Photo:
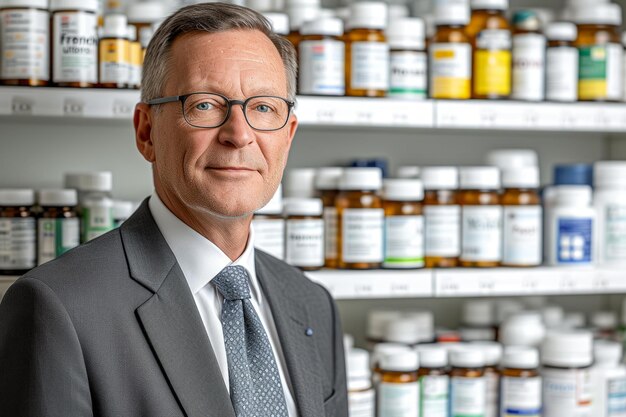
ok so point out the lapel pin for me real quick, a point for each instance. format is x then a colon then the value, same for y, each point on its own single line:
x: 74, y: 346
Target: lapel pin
x: 308, y: 331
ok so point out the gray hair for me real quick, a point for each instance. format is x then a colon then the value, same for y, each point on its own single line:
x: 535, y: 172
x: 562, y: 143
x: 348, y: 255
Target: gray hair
x: 209, y: 18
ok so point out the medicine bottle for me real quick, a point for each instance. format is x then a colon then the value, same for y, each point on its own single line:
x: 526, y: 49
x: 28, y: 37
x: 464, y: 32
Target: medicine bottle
x: 143, y: 15
x: 561, y: 62
x: 404, y: 223
x: 479, y: 321
x: 74, y: 43
x: 450, y: 53
x: 407, y: 58
x: 24, y: 42
x: 600, y: 52
x: 492, y: 352
x: 520, y: 382
x: 608, y: 379
x: 135, y: 58
x: 425, y: 322
x: 481, y: 212
x: 398, y: 391
x: 567, y: 357
x: 442, y: 217
x: 322, y: 58
x: 490, y: 34
x: 304, y: 233
x: 58, y: 224
x: 610, y: 203
x: 403, y: 331
x: 377, y: 322
x: 300, y: 183
x: 529, y: 57
x: 279, y: 22
x: 367, y: 51
x: 300, y: 12
x: 327, y: 184
x: 361, y: 219
x: 122, y: 210
x: 269, y: 226
x: 523, y: 217
x: 18, y: 251
x: 96, y: 204
x: 361, y: 395
x: 468, y: 387
x: 380, y: 350
x: 114, y: 53
x: 434, y: 381
x: 522, y: 329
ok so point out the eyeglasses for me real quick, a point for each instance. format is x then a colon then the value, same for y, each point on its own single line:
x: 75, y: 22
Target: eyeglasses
x: 208, y: 110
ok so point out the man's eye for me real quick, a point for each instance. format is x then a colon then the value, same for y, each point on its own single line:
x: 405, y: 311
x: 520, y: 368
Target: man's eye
x: 204, y: 106
x: 263, y: 108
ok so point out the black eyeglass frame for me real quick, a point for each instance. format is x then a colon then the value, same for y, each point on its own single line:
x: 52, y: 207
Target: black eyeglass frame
x: 229, y: 103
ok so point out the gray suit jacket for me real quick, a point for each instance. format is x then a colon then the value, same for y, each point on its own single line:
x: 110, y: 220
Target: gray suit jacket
x: 111, y: 329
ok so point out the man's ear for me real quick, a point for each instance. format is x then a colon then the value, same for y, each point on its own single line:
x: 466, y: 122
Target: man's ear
x: 142, y: 121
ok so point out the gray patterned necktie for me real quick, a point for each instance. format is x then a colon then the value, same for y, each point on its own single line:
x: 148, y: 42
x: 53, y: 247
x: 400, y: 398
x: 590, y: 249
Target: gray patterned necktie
x: 255, y: 387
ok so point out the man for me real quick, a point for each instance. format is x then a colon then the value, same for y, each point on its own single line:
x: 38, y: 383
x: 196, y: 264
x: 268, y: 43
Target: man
x: 175, y: 314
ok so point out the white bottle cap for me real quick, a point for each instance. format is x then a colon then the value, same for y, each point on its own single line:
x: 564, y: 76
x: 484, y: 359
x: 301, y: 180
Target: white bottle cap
x: 275, y: 205
x: 466, y: 356
x: 328, y: 26
x: 358, y: 369
x: 299, y: 15
x: 84, y: 5
x: 607, y: 352
x: 279, y: 22
x: 260, y: 5
x: 397, y: 11
x: 522, y: 329
x: 599, y: 14
x: 403, y: 189
x: 146, y: 12
x: 492, y: 351
x: 478, y: 313
x: 58, y: 198
x: 574, y: 320
x: 432, y: 356
x: 300, y: 183
x: 368, y: 15
x: 561, y: 31
x: 489, y: 4
x: 512, y: 158
x: 406, y: 361
x: 34, y: 4
x: 479, y: 178
x: 521, y: 357
x: 572, y: 195
x: 406, y: 33
x: 131, y: 31
x: 405, y: 331
x: 96, y: 181
x: 303, y: 207
x: 604, y: 320
x: 381, y: 349
x: 327, y: 178
x: 367, y: 179
x: 609, y: 174
x: 452, y: 14
x: 569, y: 348
x: 122, y: 210
x: 440, y: 178
x: 115, y: 26
x: 552, y: 316
x: 425, y: 321
x: 377, y: 321
x: 525, y: 177
x: 408, y: 171
x: 16, y: 197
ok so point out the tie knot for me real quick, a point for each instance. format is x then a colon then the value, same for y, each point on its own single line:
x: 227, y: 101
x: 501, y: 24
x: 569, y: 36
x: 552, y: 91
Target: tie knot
x: 232, y: 283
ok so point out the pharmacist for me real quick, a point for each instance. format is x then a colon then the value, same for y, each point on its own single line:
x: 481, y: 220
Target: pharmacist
x: 176, y: 313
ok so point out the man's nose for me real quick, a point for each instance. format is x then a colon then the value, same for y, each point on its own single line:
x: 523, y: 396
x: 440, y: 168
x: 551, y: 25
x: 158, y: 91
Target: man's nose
x: 236, y: 131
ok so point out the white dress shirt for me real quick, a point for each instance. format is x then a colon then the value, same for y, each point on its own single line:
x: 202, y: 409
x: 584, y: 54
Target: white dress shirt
x: 200, y: 261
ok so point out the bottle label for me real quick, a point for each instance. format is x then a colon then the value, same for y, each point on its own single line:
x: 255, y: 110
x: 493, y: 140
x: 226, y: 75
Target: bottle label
x: 361, y: 403
x: 492, y: 62
x: 615, y: 233
x: 616, y: 397
x: 467, y: 397
x: 522, y: 235
x: 451, y: 70
x: 305, y: 242
x: 443, y: 231
x: 562, y: 74
x: 330, y: 232
x: 25, y: 44
x: 521, y: 397
x: 57, y: 236
x: 492, y: 382
x: 574, y: 240
x: 404, y: 241
x: 407, y: 74
x: 566, y: 393
x: 434, y: 395
x: 362, y: 235
x: 482, y: 233
x: 75, y: 47
x: 134, y: 75
x: 98, y: 220
x: 114, y: 67
x: 17, y: 244
x: 269, y: 236
x: 370, y: 66
x: 322, y: 67
x: 398, y: 400
x: 529, y: 66
x: 600, y: 70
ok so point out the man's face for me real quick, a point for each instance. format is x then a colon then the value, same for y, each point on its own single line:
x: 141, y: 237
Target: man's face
x: 231, y: 170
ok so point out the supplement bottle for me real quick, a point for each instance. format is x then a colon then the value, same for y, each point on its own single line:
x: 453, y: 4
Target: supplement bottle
x: 561, y: 62
x: 304, y: 237
x: 567, y: 357
x: 114, y: 53
x: 492, y: 352
x: 468, y: 386
x: 327, y: 184
x: 425, y: 322
x: 529, y: 61
x: 404, y: 224
x: 481, y: 212
x: 367, y: 51
x: 398, y: 391
x: 361, y: 395
x: 279, y: 22
x: 522, y: 329
x: 58, y: 224
x: 442, y: 217
x: 300, y: 183
x: 122, y: 210
x: 523, y: 218
x: 610, y: 203
x: 74, y: 43
x: 300, y: 12
x: 18, y: 231
x: 479, y: 321
x: 434, y: 381
x: 608, y: 380
x: 143, y: 15
x: 404, y: 331
x: 269, y: 226
x: 408, y: 66
x: 96, y: 205
x: 377, y: 321
x: 322, y: 58
x: 361, y: 219
x: 24, y: 42
x: 490, y: 34
x: 379, y: 350
x: 600, y: 52
x: 450, y: 53
x: 520, y: 393
x: 135, y: 58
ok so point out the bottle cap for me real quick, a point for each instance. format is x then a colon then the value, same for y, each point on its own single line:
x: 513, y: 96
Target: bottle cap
x: 521, y: 357
x: 300, y: 183
x: 368, y: 15
x: 327, y: 178
x: 275, y: 205
x: 522, y: 329
x: 404, y: 331
x: 381, y: 349
x: 299, y: 15
x: 573, y: 174
x: 122, y: 210
x: 358, y: 369
x: 34, y: 4
x: 58, y: 198
x: 478, y: 313
x: 570, y: 348
x: 524, y: 177
x: 329, y: 26
x: 526, y: 20
x: 512, y: 158
x: 489, y: 4
x: 479, y: 178
x: 377, y: 321
x: 84, y: 5
x: 96, y: 181
x: 452, y: 14
x: 279, y: 22
x: 607, y: 352
x: 131, y: 31
x: 260, y: 5
x: 432, y: 356
x: 599, y: 14
x: 604, y: 320
x: 397, y: 11
x: 303, y: 207
x: 146, y: 12
x: 552, y: 316
x: 492, y: 351
x: 561, y: 31
x: 406, y: 33
x: 16, y: 197
x: 440, y: 178
x: 573, y: 195
x: 408, y: 171
x: 609, y: 174
x: 406, y: 361
x: 466, y: 356
x: 403, y: 189
x: 115, y: 26
x: 425, y: 321
x: 369, y: 179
